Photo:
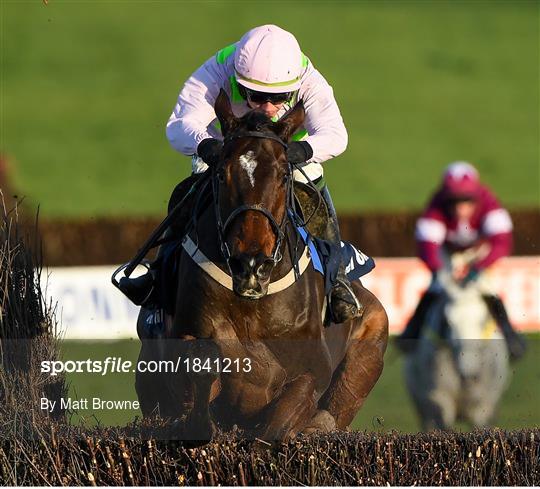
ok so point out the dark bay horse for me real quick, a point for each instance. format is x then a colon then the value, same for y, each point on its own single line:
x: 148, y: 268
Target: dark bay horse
x: 288, y: 372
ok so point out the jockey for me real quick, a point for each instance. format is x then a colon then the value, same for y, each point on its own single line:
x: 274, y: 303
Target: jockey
x: 463, y: 215
x: 267, y: 72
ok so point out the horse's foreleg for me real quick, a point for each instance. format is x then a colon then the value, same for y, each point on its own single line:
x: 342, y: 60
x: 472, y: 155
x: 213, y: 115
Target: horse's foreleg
x: 198, y: 425
x: 362, y: 365
x: 150, y: 385
x: 148, y: 390
x: 202, y: 375
x: 160, y: 391
x: 292, y: 409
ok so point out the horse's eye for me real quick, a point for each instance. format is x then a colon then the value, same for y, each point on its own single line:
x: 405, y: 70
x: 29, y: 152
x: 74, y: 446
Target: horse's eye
x: 286, y: 178
x: 220, y: 175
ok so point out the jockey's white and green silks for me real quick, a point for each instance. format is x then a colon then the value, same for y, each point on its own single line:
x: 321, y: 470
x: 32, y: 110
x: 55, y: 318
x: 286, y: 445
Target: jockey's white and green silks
x: 193, y: 118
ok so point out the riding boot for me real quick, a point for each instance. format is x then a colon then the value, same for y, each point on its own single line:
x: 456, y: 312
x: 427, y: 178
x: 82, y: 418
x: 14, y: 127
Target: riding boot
x: 514, y: 341
x: 141, y: 290
x: 344, y: 304
x: 406, y: 340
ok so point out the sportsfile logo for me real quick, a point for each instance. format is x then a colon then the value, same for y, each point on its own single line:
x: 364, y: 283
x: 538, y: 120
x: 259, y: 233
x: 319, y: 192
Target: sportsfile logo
x: 103, y: 367
x: 115, y: 365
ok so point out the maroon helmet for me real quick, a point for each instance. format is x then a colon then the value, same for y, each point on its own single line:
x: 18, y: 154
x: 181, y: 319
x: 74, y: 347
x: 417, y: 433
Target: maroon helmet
x: 460, y: 182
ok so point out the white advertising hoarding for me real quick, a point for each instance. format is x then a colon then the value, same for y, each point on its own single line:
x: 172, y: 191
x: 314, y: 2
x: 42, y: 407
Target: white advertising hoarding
x: 89, y: 306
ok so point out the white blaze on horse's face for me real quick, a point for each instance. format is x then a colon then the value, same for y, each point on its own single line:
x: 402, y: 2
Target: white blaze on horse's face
x: 249, y: 163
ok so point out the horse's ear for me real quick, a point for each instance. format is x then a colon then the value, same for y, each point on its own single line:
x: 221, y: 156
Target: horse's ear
x: 224, y: 112
x: 290, y: 122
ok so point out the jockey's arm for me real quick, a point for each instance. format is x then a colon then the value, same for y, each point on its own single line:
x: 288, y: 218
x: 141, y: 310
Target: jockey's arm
x: 430, y: 234
x: 429, y: 253
x: 327, y: 134
x: 500, y: 246
x: 194, y: 110
x: 497, y: 228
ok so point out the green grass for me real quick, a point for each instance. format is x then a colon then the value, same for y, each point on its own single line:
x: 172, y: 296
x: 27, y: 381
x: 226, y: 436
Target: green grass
x: 88, y: 86
x: 387, y: 408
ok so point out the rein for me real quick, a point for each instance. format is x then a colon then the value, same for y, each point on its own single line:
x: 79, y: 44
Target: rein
x: 223, y: 226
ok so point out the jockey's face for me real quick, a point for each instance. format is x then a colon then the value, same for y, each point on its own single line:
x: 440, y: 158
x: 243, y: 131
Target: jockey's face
x: 267, y: 108
x: 464, y: 209
x: 267, y: 103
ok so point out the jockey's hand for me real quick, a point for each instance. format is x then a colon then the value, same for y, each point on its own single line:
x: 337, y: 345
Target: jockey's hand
x: 459, y: 272
x: 299, y: 152
x: 209, y: 150
x: 471, y: 276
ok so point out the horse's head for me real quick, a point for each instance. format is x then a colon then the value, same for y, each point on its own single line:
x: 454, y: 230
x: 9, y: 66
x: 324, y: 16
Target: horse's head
x: 251, y: 185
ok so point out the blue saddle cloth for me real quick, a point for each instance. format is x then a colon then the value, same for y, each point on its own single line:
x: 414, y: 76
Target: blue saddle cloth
x: 327, y: 256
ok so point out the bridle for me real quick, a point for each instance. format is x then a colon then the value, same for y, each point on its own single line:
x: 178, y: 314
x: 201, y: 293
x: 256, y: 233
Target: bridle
x: 222, y: 227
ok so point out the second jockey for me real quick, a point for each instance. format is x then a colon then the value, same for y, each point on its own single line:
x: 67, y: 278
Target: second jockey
x: 462, y: 215
x: 265, y: 71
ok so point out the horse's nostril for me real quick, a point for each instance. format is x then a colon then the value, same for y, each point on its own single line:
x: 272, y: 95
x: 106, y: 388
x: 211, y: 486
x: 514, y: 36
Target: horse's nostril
x: 264, y: 270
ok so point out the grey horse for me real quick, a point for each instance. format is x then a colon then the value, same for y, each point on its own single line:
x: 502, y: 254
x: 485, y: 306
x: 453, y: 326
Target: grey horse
x: 460, y: 367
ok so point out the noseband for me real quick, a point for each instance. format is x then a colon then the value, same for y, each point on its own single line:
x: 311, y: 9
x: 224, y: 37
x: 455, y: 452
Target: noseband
x: 223, y: 226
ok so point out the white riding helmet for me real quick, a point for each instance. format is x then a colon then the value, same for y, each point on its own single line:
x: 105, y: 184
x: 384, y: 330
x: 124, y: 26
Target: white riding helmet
x: 268, y: 59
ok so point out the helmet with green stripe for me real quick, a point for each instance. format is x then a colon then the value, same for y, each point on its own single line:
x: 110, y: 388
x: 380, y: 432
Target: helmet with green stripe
x: 268, y: 59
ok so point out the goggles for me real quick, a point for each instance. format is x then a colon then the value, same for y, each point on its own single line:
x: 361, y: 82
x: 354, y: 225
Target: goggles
x: 263, y: 97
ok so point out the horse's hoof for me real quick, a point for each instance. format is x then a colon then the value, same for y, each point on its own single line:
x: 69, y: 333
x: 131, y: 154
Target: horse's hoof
x: 197, y: 433
x: 171, y: 430
x: 323, y: 421
x: 195, y: 443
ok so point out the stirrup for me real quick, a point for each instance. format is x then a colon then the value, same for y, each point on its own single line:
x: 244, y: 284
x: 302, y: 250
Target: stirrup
x: 126, y: 285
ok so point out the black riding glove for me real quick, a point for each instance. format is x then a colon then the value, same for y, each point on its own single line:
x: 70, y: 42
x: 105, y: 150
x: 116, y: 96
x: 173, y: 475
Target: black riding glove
x: 209, y: 150
x: 299, y: 152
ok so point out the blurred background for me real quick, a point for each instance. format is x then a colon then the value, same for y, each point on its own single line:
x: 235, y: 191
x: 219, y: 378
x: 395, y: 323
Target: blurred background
x: 87, y: 88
